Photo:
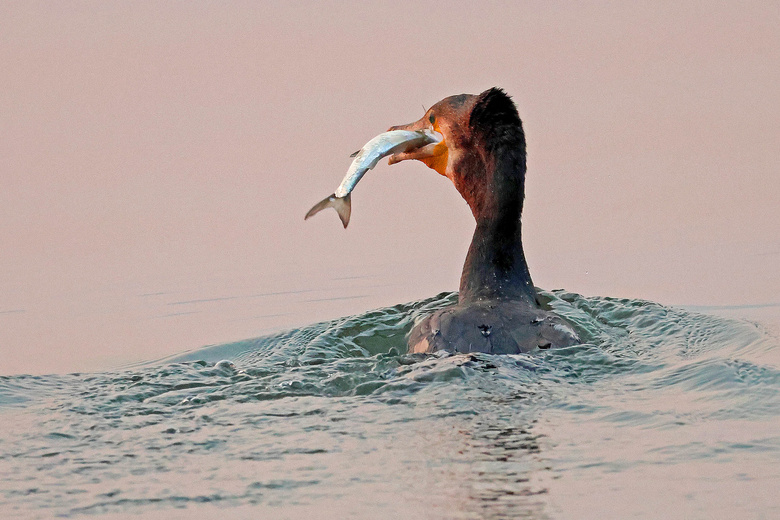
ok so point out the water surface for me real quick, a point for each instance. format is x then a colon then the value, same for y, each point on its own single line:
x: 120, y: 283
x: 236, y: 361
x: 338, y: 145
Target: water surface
x: 661, y: 413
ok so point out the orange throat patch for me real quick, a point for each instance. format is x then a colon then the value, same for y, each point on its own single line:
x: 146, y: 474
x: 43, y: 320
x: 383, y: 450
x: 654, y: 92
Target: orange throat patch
x: 438, y: 161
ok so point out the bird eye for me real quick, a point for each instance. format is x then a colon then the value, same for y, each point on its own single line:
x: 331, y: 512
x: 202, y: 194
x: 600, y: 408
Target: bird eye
x: 432, y: 118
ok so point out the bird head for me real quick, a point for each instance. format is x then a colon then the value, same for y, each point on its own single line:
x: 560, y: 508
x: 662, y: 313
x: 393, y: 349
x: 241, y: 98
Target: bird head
x: 450, y: 118
x: 481, y: 134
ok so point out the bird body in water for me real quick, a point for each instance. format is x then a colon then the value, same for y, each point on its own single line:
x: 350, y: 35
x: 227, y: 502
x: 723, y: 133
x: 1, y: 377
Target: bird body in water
x: 483, y: 152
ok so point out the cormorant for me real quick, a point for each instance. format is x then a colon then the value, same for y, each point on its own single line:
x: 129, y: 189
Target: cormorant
x: 483, y: 153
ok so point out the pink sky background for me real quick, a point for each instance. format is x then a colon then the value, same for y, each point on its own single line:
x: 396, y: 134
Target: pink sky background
x: 158, y: 158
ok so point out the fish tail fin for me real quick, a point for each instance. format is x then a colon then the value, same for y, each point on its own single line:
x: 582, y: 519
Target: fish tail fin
x: 342, y: 205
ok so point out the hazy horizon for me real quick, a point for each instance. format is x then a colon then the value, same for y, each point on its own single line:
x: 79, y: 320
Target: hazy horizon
x: 159, y: 159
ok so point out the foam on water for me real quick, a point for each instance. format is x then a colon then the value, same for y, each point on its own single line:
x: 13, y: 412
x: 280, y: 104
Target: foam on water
x: 658, y: 407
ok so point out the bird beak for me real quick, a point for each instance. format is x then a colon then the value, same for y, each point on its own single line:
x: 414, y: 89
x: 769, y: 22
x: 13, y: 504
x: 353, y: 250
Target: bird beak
x: 434, y: 155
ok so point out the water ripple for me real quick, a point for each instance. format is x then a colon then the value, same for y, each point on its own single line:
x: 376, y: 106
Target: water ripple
x: 337, y: 413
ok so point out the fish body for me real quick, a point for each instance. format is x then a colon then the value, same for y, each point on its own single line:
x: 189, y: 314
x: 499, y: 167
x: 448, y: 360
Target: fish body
x: 387, y: 143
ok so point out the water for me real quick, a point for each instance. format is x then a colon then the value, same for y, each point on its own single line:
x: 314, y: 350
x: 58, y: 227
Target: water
x: 661, y: 413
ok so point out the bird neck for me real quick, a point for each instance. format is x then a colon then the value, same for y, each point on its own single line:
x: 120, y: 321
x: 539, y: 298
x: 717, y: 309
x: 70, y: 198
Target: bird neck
x: 495, y: 266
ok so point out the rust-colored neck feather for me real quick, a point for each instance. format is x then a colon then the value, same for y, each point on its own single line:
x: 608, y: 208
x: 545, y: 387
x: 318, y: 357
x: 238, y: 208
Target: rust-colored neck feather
x: 492, y: 180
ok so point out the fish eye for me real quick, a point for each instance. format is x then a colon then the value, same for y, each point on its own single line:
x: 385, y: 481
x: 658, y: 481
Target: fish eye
x: 432, y: 118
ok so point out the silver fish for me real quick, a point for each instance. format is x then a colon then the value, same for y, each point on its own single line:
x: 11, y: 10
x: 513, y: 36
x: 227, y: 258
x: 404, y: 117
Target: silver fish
x: 387, y: 143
